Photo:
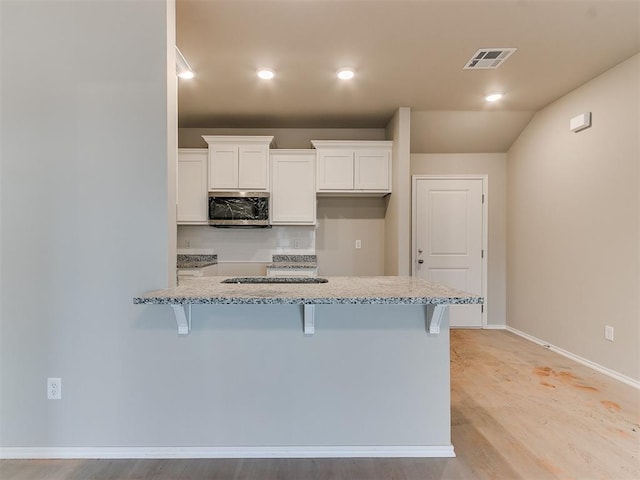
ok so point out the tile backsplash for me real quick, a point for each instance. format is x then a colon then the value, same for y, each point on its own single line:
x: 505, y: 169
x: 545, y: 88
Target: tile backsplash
x: 249, y: 245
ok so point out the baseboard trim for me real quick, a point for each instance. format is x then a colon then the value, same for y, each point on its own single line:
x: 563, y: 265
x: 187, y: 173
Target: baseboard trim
x: 588, y: 363
x: 494, y: 327
x: 227, y: 452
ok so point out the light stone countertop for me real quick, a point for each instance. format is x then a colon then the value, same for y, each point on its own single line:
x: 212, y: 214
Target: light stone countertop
x: 294, y: 262
x: 195, y: 260
x: 338, y: 290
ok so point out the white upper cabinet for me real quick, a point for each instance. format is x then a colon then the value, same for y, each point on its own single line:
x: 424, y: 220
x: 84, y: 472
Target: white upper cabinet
x: 353, y: 167
x: 293, y: 187
x: 192, y: 186
x: 223, y: 167
x: 253, y: 167
x: 372, y: 170
x: 238, y: 162
x: 335, y: 169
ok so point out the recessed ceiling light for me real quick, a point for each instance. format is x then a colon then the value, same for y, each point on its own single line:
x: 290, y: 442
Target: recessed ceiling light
x: 266, y: 73
x: 346, y: 73
x: 494, y: 97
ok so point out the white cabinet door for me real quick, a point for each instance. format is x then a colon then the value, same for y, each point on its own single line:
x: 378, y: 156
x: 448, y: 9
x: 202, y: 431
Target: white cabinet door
x: 192, y: 186
x: 293, y: 194
x: 238, y: 162
x: 348, y: 167
x: 253, y: 167
x: 223, y: 167
x: 372, y: 170
x: 335, y: 170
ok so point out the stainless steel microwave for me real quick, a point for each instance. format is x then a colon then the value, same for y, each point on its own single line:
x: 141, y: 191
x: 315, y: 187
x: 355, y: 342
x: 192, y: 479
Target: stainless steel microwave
x: 239, y: 209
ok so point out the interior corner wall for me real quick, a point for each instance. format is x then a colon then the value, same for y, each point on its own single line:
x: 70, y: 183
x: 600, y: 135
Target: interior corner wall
x: 573, y: 223
x: 494, y: 165
x: 83, y: 151
x: 397, y: 240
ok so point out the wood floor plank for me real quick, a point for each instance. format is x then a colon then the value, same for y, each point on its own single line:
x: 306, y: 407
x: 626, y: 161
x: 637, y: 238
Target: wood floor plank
x: 518, y: 411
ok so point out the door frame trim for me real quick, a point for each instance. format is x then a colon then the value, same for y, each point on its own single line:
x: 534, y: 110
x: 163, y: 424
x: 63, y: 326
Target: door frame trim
x: 485, y: 227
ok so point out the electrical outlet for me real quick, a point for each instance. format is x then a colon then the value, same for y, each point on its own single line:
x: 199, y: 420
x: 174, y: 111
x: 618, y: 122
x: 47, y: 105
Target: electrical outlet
x: 54, y: 388
x: 358, y: 244
x: 187, y: 243
x: 608, y: 332
x: 296, y: 243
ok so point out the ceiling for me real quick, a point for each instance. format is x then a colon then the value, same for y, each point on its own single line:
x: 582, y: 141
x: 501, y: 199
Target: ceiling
x: 405, y: 53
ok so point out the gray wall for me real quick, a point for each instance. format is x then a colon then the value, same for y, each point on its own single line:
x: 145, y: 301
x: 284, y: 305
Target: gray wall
x: 84, y: 221
x: 573, y: 225
x: 342, y: 221
x: 398, y: 218
x: 85, y: 208
x: 494, y: 165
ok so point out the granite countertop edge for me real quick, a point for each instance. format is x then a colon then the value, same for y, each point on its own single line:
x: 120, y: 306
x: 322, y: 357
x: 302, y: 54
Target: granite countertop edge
x: 338, y: 290
x: 186, y: 261
x: 293, y: 265
x: 187, y: 265
x: 307, y: 301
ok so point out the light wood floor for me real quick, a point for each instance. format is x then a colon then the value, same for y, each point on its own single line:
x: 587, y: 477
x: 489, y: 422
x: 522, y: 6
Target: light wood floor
x: 519, y: 411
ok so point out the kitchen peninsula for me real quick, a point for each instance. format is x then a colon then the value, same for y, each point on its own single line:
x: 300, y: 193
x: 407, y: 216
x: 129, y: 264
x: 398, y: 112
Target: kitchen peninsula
x: 356, y: 366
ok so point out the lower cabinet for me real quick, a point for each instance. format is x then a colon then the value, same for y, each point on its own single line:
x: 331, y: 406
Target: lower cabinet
x: 192, y: 186
x: 293, y: 188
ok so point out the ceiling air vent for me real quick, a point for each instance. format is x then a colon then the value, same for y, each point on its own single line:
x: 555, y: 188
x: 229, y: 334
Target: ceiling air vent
x: 488, y: 58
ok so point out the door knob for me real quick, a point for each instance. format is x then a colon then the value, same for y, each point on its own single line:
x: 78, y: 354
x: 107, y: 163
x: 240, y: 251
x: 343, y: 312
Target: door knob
x: 419, y: 250
x: 420, y: 261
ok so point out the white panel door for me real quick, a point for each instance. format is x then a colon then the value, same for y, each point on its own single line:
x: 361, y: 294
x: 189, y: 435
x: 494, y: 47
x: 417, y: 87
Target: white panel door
x: 223, y: 167
x: 253, y: 167
x: 335, y: 170
x: 448, y: 243
x: 372, y: 170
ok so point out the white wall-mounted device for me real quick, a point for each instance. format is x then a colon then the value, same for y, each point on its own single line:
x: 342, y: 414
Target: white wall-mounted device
x: 580, y: 122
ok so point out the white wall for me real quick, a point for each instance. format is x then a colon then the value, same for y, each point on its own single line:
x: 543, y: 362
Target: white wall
x: 494, y: 165
x: 84, y: 212
x: 574, y: 223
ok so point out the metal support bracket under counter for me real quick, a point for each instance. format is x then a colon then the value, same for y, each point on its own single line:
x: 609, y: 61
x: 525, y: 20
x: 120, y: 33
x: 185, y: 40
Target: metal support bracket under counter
x: 435, y: 316
x: 183, y: 318
x: 309, y: 319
